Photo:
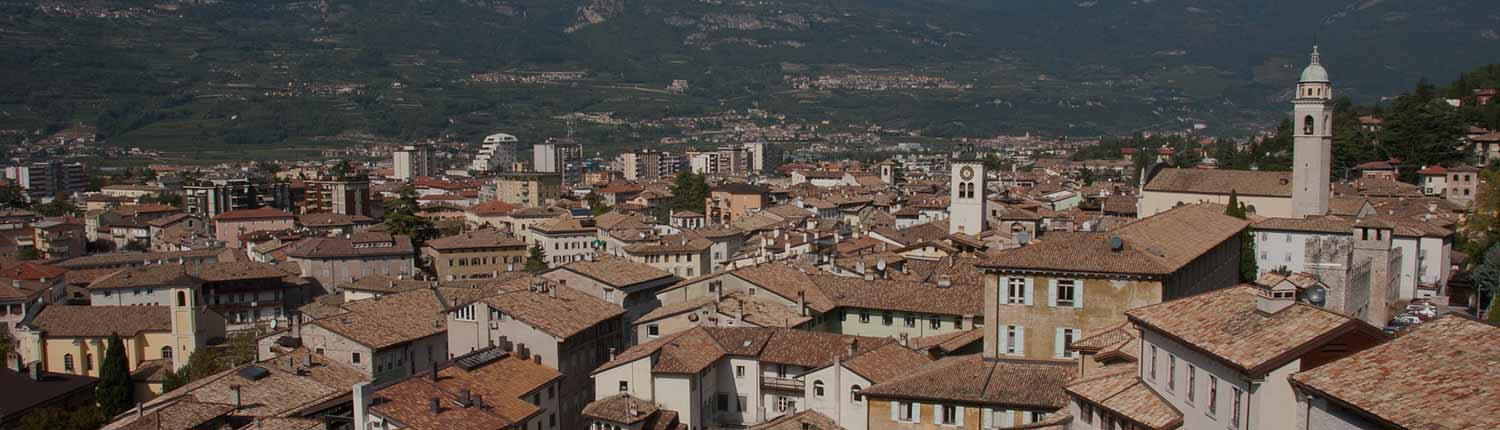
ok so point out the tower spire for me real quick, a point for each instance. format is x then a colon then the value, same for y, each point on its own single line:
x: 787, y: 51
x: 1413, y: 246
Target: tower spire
x: 1315, y: 53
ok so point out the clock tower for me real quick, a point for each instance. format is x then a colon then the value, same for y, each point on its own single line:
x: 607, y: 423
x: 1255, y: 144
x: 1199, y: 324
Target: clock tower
x: 966, y: 198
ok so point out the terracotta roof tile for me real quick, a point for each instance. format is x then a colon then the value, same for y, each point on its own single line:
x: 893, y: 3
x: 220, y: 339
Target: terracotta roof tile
x: 563, y: 315
x: 1438, y: 376
x: 1243, y: 182
x: 475, y: 239
x: 1226, y: 324
x: 257, y: 213
x: 1122, y: 393
x: 617, y: 409
x: 1153, y: 246
x: 1031, y: 384
x: 100, y: 321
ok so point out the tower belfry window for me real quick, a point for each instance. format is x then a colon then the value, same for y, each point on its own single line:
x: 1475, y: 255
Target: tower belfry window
x: 1307, y: 125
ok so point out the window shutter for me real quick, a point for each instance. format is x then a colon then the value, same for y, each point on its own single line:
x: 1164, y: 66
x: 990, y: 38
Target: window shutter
x: 1029, y: 285
x: 1004, y: 289
x: 1052, y: 293
x: 1020, y: 340
x: 1057, y: 343
x: 937, y: 413
x: 985, y: 416
x: 1009, y: 419
x: 960, y: 413
x: 916, y: 412
x: 895, y: 411
x: 1078, y: 294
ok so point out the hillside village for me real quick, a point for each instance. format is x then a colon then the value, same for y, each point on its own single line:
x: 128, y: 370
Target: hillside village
x: 468, y: 287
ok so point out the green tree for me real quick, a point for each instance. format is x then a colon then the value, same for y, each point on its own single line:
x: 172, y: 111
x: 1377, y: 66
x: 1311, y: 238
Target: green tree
x: 1423, y: 132
x: 57, y: 207
x: 1275, y: 152
x: 402, y: 218
x: 84, y: 418
x: 536, y: 259
x: 1481, y: 229
x: 596, y: 204
x: 1487, y: 277
x: 114, y: 392
x: 689, y: 192
x: 27, y: 253
x: 1248, y: 266
x: 12, y: 196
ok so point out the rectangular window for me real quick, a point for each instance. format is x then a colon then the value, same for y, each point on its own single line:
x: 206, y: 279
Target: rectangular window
x: 1192, y: 382
x: 739, y: 371
x: 1171, y: 372
x: 1068, y: 336
x: 1015, y: 292
x: 355, y: 358
x: 950, y: 414
x: 887, y: 318
x: 1235, y: 415
x: 1067, y: 290
x: 1152, y: 374
x: 937, y: 322
x: 864, y: 316
x: 653, y: 330
x: 723, y: 402
x: 465, y: 313
x: 624, y: 386
x: 911, y: 321
x: 905, y: 411
x: 740, y: 403
x: 1213, y: 395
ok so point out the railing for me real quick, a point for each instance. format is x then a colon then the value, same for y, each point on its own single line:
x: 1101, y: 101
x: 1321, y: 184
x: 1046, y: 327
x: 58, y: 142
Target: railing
x: 781, y: 383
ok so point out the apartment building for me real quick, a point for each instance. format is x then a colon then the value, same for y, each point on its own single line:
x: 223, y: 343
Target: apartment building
x: 630, y: 285
x: 733, y: 377
x: 338, y: 196
x: 384, y: 339
x: 1042, y: 296
x: 340, y: 260
x: 565, y: 329
x: 972, y: 393
x: 648, y: 165
x: 734, y: 201
x: 474, y: 254
x: 211, y: 197
x: 496, y: 153
x: 682, y: 255
x: 565, y: 239
x: 44, y: 180
x: 527, y: 188
x: 230, y: 226
x: 562, y: 158
x: 1221, y: 359
x: 412, y: 161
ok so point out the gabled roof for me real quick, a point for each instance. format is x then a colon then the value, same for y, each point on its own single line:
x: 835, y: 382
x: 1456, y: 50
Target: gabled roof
x: 252, y: 214
x: 563, y: 314
x: 1243, y: 182
x: 1438, y: 376
x: 1121, y: 392
x: 475, y: 239
x: 690, y: 351
x: 1019, y: 384
x: 1152, y: 246
x: 616, y: 272
x: 100, y: 321
x: 1226, y: 325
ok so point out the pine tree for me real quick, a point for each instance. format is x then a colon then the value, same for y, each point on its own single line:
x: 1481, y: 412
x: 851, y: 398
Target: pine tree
x: 536, y: 260
x: 115, y: 392
x: 689, y: 192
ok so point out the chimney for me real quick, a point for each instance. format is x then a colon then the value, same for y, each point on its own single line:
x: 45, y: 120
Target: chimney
x: 869, y: 275
x: 853, y: 346
x: 536, y: 359
x: 552, y: 292
x: 611, y: 353
x: 464, y: 397
x: 139, y: 410
x: 479, y: 401
x: 739, y: 314
x: 802, y: 303
x: 904, y: 339
x: 234, y: 396
x: 1273, y: 299
x: 632, y: 409
x: 362, y: 398
x: 944, y: 281
x: 434, y: 406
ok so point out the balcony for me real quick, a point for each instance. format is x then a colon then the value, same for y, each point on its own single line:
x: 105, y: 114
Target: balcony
x: 775, y: 383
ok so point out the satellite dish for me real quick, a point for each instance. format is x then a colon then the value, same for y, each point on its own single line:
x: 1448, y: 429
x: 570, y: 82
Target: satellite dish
x: 1116, y: 244
x: 1315, y: 295
x: 880, y: 264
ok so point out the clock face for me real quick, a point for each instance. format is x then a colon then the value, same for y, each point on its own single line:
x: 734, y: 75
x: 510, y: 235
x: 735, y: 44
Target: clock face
x: 967, y: 173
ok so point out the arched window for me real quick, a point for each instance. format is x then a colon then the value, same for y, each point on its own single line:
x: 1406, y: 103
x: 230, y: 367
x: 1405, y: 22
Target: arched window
x: 166, y: 353
x: 182, y: 298
x: 67, y: 362
x: 818, y: 388
x: 1307, y: 125
x: 88, y: 362
x: 854, y: 393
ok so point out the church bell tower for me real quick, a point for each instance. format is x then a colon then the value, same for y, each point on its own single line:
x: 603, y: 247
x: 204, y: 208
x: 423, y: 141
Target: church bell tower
x: 966, y: 198
x: 1312, y: 153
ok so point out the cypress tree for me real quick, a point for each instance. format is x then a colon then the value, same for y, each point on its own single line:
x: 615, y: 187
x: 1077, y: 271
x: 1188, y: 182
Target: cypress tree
x: 536, y: 260
x: 114, y: 392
